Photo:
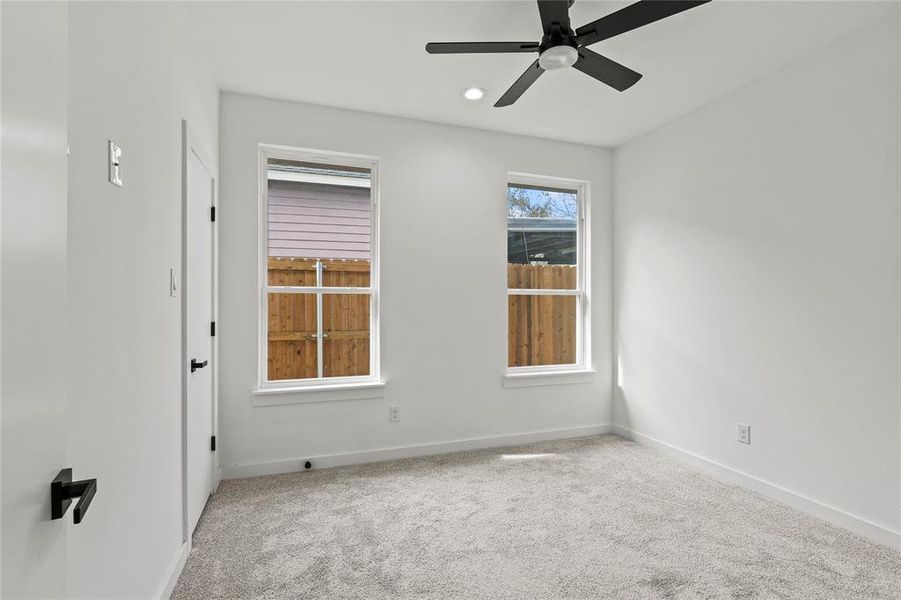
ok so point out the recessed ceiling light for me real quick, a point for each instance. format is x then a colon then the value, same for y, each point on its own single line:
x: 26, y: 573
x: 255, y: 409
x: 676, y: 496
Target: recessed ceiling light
x: 473, y: 93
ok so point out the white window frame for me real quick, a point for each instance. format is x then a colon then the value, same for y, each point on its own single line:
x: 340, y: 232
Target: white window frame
x: 583, y: 280
x: 340, y: 159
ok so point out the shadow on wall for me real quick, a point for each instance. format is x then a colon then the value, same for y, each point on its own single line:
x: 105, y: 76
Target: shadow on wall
x: 685, y: 376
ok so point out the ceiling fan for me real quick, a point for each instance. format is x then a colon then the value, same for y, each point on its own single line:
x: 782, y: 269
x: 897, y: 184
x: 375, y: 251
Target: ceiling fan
x: 561, y: 47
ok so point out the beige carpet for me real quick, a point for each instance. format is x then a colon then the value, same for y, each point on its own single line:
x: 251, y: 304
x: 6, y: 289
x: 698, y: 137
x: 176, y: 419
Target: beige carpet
x: 597, y: 517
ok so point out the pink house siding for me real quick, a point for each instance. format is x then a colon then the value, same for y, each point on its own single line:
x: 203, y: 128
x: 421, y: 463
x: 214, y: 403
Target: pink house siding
x: 309, y: 220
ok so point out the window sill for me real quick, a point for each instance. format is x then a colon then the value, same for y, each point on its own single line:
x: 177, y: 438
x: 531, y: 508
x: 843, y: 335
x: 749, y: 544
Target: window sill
x: 308, y: 394
x: 538, y: 378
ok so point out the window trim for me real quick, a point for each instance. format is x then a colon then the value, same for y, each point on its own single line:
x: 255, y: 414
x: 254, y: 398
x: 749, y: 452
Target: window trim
x: 314, y: 384
x: 583, y: 280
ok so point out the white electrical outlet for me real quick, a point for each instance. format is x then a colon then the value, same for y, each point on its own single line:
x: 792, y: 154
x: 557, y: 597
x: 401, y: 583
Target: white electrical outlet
x: 394, y: 413
x: 744, y: 434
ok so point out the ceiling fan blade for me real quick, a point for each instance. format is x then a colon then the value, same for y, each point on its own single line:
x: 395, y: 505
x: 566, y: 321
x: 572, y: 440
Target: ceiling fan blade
x: 607, y: 71
x: 479, y: 47
x: 520, y: 85
x: 554, y: 11
x: 631, y: 17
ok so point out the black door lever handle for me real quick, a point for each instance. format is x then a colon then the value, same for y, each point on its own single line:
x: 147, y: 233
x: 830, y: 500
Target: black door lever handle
x: 63, y: 489
x: 196, y: 364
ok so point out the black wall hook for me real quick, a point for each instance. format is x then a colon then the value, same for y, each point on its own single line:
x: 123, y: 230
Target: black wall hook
x: 63, y: 489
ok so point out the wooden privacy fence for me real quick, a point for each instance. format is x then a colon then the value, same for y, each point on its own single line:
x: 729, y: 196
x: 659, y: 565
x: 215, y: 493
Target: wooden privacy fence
x: 292, y: 320
x: 541, y: 329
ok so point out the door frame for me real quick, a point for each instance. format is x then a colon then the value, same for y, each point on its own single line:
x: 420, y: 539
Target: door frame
x: 191, y: 143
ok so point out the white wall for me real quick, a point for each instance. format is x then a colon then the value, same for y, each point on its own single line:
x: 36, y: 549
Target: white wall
x: 757, y: 281
x: 133, y: 77
x: 444, y: 308
x: 33, y: 250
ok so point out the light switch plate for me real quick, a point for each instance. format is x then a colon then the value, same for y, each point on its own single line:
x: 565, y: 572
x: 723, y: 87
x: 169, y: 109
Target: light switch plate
x: 115, y: 164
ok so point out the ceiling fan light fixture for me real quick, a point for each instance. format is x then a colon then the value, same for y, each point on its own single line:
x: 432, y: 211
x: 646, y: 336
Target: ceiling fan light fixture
x: 558, y: 57
x: 562, y: 46
x: 473, y: 93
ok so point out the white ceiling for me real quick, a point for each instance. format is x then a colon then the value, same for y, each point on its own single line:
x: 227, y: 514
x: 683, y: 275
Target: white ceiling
x: 370, y: 56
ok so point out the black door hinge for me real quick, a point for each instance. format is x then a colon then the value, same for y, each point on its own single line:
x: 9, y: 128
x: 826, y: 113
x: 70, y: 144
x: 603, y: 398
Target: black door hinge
x: 213, y: 328
x: 213, y: 443
x: 212, y: 213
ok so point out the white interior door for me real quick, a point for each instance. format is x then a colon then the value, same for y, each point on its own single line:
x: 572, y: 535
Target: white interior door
x: 198, y: 302
x: 33, y: 560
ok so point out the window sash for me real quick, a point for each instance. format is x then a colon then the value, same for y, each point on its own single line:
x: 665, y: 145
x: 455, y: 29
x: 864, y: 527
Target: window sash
x: 312, y: 289
x: 579, y: 363
x: 542, y: 292
x: 321, y: 335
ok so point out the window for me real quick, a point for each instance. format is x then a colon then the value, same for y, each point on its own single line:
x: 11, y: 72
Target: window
x: 319, y: 269
x: 546, y: 275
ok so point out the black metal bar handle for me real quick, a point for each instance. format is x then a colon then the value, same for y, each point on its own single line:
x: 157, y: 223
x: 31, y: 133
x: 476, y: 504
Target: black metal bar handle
x: 63, y: 489
x: 195, y: 364
x: 85, y: 491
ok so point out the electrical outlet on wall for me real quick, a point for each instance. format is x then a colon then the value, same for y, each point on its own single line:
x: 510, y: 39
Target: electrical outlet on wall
x: 394, y: 413
x: 744, y: 433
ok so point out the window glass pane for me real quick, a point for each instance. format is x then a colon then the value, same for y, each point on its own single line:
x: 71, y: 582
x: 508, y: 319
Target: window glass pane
x: 542, y: 237
x: 318, y: 213
x: 543, y: 277
x: 345, y: 273
x: 292, y: 271
x: 292, y: 336
x: 541, y: 330
x: 345, y: 349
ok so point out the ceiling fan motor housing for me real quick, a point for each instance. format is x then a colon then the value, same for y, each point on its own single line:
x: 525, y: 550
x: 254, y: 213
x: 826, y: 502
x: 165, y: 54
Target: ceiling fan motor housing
x: 558, y: 49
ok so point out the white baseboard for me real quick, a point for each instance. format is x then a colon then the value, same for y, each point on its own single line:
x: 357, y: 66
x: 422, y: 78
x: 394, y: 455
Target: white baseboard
x: 238, y: 470
x: 859, y: 525
x: 174, y: 571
